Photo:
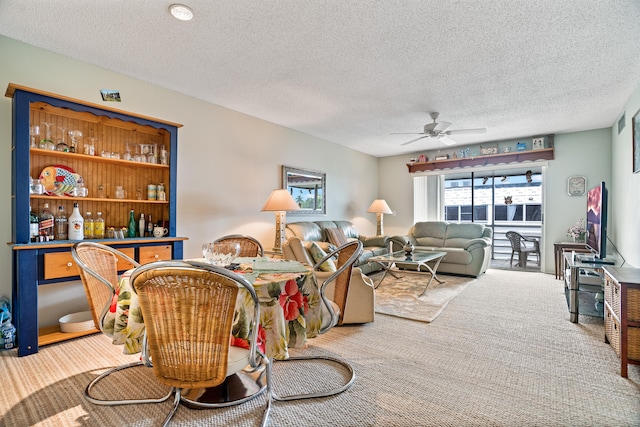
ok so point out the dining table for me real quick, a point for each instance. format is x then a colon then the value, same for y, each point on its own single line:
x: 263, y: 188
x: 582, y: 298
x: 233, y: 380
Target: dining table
x: 290, y: 308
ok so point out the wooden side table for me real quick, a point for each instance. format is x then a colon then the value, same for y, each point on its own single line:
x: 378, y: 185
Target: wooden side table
x: 558, y: 247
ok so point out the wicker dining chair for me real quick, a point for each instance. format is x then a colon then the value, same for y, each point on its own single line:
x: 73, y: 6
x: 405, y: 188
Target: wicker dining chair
x: 188, y: 310
x: 523, y: 246
x: 347, y: 255
x: 249, y: 246
x: 98, y: 268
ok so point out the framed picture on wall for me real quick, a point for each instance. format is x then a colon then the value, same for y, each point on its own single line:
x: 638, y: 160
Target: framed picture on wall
x: 636, y: 142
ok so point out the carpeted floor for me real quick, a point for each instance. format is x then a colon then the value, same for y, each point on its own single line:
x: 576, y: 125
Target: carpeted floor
x: 502, y: 353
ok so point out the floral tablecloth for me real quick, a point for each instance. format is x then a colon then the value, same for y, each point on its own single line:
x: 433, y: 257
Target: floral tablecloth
x: 290, y: 309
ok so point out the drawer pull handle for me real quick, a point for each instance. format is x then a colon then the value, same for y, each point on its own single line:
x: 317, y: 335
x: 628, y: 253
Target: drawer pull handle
x: 69, y: 264
x: 156, y: 256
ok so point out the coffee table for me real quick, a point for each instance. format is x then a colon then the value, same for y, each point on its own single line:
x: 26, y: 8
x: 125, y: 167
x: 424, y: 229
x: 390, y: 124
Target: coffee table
x: 417, y: 258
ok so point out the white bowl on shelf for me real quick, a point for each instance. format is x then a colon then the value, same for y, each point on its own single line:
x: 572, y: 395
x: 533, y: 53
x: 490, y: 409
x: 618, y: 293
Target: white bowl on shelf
x: 76, y: 322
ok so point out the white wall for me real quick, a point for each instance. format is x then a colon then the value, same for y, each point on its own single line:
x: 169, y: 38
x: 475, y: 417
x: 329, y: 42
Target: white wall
x: 580, y: 153
x: 228, y: 162
x: 624, y: 194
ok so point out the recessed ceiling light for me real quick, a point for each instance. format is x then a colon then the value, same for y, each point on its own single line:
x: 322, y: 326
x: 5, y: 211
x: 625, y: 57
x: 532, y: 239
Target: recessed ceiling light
x: 181, y: 12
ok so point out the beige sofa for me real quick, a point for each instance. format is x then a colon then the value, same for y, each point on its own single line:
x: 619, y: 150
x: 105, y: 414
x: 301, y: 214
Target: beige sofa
x: 315, y: 231
x: 468, y: 245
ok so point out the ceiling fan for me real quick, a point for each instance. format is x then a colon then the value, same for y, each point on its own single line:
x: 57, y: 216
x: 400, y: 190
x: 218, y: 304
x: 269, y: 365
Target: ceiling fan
x: 439, y: 130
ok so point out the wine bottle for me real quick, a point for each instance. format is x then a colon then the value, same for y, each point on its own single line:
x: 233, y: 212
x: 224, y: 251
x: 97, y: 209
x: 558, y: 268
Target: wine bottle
x: 132, y: 224
x: 76, y: 224
x: 62, y: 225
x: 149, y: 226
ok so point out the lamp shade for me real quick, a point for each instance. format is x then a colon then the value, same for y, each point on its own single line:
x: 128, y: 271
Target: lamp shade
x: 380, y: 206
x: 280, y: 200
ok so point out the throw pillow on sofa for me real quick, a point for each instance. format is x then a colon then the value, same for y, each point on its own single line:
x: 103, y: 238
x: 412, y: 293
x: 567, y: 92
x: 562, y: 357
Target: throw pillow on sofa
x: 317, y: 253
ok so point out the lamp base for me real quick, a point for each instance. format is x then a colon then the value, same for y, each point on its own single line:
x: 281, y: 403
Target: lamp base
x: 280, y: 225
x: 380, y: 227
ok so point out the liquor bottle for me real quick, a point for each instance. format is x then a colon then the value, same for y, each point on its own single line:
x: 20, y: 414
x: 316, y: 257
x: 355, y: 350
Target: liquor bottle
x: 76, y: 224
x: 132, y: 224
x: 149, y: 226
x: 46, y: 224
x: 88, y: 226
x: 98, y: 227
x: 141, y: 226
x: 62, y: 225
x: 34, y: 229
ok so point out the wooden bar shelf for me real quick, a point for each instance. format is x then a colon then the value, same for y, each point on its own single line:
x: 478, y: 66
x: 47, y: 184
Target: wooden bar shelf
x: 488, y: 159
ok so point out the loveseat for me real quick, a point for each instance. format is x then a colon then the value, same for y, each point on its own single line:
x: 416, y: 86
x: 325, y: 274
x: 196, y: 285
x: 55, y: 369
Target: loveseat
x: 315, y: 231
x: 467, y: 245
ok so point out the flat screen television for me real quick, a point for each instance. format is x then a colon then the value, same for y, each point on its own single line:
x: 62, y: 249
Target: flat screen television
x: 597, y: 222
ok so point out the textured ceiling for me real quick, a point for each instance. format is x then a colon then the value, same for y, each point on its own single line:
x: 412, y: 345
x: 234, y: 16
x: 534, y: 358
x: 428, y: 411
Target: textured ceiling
x: 353, y: 72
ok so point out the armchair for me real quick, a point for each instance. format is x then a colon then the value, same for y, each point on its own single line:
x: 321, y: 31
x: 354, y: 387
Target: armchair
x: 359, y: 306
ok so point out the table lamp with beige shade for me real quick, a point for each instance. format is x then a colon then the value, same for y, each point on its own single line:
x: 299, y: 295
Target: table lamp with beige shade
x: 379, y: 207
x: 280, y: 201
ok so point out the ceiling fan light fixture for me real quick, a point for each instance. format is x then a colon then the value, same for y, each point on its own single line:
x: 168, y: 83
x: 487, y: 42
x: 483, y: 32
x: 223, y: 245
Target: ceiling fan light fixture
x: 181, y: 12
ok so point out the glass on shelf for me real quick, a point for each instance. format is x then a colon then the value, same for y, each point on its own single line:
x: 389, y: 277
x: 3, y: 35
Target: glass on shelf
x: 127, y: 154
x: 119, y: 193
x: 47, y: 143
x: 34, y: 132
x: 75, y: 135
x: 152, y: 156
x: 100, y: 192
x: 62, y: 143
x: 90, y: 149
x: 164, y: 156
x: 35, y: 186
x: 80, y: 190
x: 137, y: 157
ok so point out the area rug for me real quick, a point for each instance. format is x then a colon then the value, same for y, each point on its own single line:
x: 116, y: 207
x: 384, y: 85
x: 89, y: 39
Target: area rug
x: 399, y: 297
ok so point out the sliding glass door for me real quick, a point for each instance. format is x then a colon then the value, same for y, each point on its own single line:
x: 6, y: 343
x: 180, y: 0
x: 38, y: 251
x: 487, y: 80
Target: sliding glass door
x: 504, y: 200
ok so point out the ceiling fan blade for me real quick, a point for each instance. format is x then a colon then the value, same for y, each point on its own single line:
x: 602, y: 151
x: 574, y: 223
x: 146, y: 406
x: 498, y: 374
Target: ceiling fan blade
x: 414, y: 140
x: 465, y: 131
x: 441, y: 126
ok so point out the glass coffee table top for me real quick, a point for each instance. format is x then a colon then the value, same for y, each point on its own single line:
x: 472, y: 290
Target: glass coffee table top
x: 418, y: 258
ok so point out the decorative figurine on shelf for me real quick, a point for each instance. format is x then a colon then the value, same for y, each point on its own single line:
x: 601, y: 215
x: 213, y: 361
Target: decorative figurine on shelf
x: 422, y: 158
x: 408, y: 249
x: 508, y: 200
